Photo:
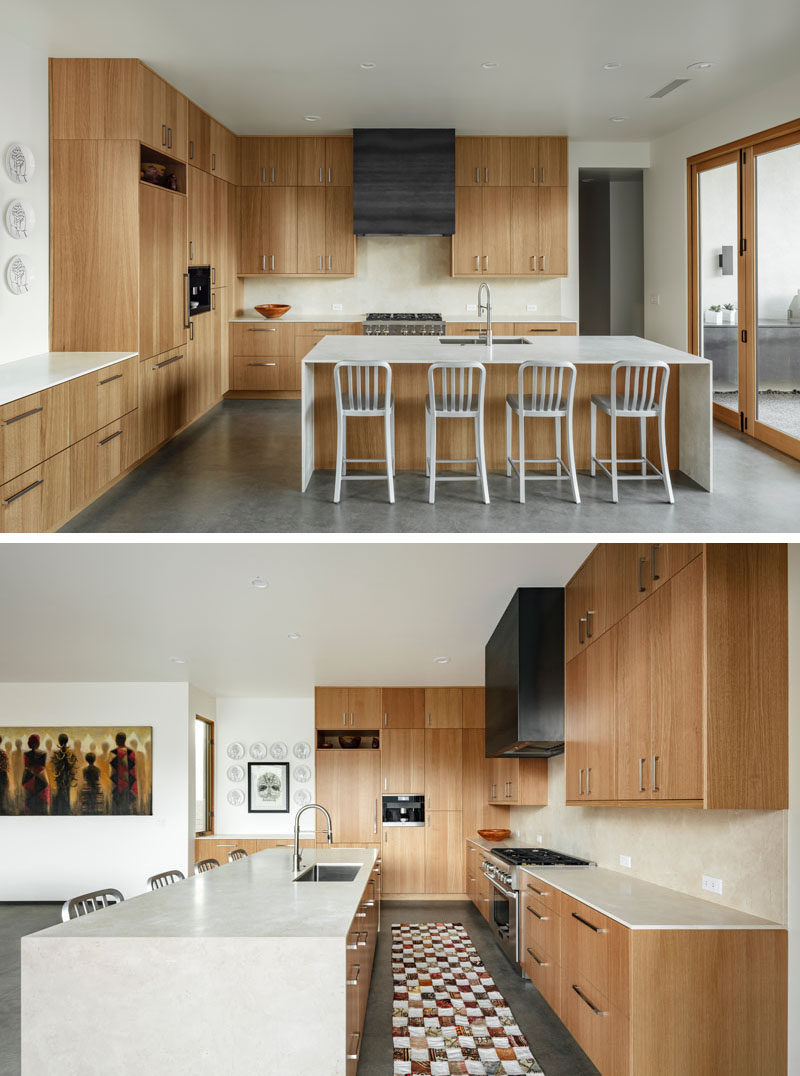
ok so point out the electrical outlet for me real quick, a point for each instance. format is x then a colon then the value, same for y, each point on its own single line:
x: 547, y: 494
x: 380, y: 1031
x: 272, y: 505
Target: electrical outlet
x: 336, y: 307
x: 625, y: 861
x: 471, y: 308
x: 655, y: 300
x: 516, y: 833
x: 531, y: 308
x: 539, y: 838
x: 713, y: 885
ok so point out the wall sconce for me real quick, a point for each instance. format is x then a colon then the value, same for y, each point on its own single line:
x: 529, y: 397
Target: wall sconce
x: 726, y: 261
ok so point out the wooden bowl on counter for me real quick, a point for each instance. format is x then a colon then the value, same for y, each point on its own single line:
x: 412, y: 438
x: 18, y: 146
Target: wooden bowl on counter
x: 349, y: 741
x: 494, y: 834
x: 272, y: 310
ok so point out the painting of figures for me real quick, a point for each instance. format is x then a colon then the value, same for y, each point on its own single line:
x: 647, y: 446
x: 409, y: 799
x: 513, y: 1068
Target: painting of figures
x: 80, y: 770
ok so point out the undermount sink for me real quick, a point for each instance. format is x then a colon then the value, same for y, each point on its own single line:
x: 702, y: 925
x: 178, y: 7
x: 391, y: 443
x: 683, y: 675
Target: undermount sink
x: 330, y: 872
x: 463, y: 341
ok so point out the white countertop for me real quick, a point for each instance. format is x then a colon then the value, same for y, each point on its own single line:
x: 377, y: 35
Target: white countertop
x: 581, y: 350
x: 24, y: 377
x: 453, y: 319
x: 345, y: 318
x: 252, y: 898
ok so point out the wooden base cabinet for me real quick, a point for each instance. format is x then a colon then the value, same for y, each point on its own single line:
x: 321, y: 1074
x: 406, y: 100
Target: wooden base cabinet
x: 163, y: 388
x: 359, y: 958
x: 444, y: 852
x: 403, y: 855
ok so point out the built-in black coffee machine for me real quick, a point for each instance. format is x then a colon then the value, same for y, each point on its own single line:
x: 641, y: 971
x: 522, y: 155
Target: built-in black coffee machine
x: 406, y: 810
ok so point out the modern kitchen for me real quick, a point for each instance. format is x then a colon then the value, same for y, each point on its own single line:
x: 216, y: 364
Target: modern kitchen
x: 270, y: 292
x: 549, y: 827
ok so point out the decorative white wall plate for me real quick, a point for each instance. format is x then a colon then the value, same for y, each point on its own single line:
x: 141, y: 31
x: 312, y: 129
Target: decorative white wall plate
x: 258, y: 750
x: 20, y: 164
x: 19, y: 275
x: 235, y: 797
x: 279, y: 750
x: 301, y: 749
x: 301, y: 774
x: 301, y: 797
x: 235, y: 773
x: 235, y: 750
x: 20, y: 219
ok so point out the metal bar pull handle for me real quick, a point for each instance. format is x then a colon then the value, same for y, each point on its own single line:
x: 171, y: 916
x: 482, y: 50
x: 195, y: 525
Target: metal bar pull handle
x: 163, y: 134
x: 108, y: 380
x: 539, y: 892
x: 355, y: 971
x: 543, y: 263
x: 541, y: 963
x: 191, y: 149
x: 272, y: 175
x: 533, y: 262
x: 541, y: 917
x: 591, y: 926
x: 320, y: 174
x: 585, y: 1000
x: 110, y: 437
x: 167, y: 362
x: 580, y: 782
x: 588, y: 780
x: 641, y: 775
x: 169, y: 137
x: 589, y: 615
x: 263, y: 263
x: 213, y: 162
x: 262, y: 364
x: 543, y: 175
x: 263, y: 329
x: 654, y: 786
x: 22, y: 415
x: 22, y: 492
x: 486, y: 263
x: 330, y: 262
x: 385, y: 720
x: 355, y: 1037
x: 477, y: 263
x: 641, y: 582
x: 653, y: 570
x: 263, y: 175
x: 477, y: 175
x: 581, y: 627
x: 486, y: 175
x: 375, y: 823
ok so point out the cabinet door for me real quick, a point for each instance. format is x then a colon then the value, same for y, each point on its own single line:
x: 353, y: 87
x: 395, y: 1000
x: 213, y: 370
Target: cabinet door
x: 311, y: 230
x: 403, y: 761
x: 496, y: 162
x: 442, y: 770
x: 496, y: 253
x: 575, y: 727
x: 339, y: 162
x: 202, y: 388
x: 576, y: 603
x: 599, y: 724
x: 468, y: 237
x: 403, y: 860
x: 152, y: 122
x: 553, y: 231
x: 199, y: 137
x: 403, y: 707
x: 476, y: 812
x: 162, y: 247
x: 331, y: 707
x: 340, y: 245
x: 282, y: 235
x: 201, y: 208
x: 552, y: 153
x: 163, y: 383
x: 311, y: 163
x: 633, y: 706
x: 280, y: 166
x: 444, y: 852
x: 176, y: 118
x: 473, y: 707
x: 221, y: 238
x: 666, y: 559
x: 253, y: 156
x: 347, y: 785
x: 674, y: 617
x: 443, y: 707
x: 254, y: 224
x: 224, y: 314
x: 523, y: 162
x: 364, y: 705
x: 525, y: 233
x: 469, y: 161
x: 38, y: 499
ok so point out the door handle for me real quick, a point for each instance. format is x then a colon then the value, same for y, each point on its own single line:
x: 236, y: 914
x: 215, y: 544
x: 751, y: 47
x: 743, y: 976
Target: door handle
x: 586, y: 923
x: 188, y: 318
x: 477, y: 263
x: 486, y: 263
x: 263, y: 263
x: 541, y: 963
x: 213, y: 162
x: 110, y: 437
x: 191, y: 149
x: 641, y: 775
x: 588, y: 780
x: 653, y: 572
x: 586, y: 1001
x: 581, y: 625
x: 477, y: 175
x: 24, y: 414
x: 486, y: 175
x: 163, y: 134
x: 262, y: 364
x: 169, y: 138
x: 641, y: 583
x: 533, y: 261
x: 580, y: 782
x: 263, y: 175
x: 654, y: 786
x: 22, y: 492
x: 533, y: 912
x: 108, y: 380
x: 272, y: 175
x: 272, y: 262
x: 589, y: 615
x: 543, y: 261
x: 167, y: 362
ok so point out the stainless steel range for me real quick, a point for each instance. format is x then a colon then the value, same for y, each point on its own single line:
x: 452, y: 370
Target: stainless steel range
x: 404, y: 325
x: 501, y: 866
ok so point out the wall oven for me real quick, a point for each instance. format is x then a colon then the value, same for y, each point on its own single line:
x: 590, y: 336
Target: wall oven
x: 504, y: 919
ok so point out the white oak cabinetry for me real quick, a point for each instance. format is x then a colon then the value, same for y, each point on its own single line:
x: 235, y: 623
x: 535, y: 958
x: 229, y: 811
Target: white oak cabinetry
x: 359, y: 957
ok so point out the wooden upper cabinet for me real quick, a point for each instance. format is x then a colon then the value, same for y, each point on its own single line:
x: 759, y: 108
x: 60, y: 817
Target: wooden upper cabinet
x: 348, y: 785
x: 443, y: 769
x: 331, y: 707
x: 163, y: 115
x: 325, y: 162
x: 483, y: 161
x: 539, y: 233
x: 641, y: 568
x: 199, y: 137
x: 364, y: 704
x: 202, y: 216
x: 224, y: 153
x: 599, y: 779
x: 162, y: 245
x: 339, y: 162
x: 539, y: 161
x: 482, y: 239
x: 268, y: 162
x: 575, y: 726
x: 340, y: 243
x: 467, y: 241
x: 403, y: 761
x: 403, y: 707
x: 94, y: 98
x: 311, y: 238
x: 268, y: 230
x: 443, y: 708
x: 325, y: 240
x: 473, y: 707
x: 496, y: 255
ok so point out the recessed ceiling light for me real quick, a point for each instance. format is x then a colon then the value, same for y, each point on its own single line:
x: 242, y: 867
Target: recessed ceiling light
x: 612, y: 65
x: 442, y: 660
x: 368, y: 66
x: 292, y: 635
x: 259, y: 583
x: 700, y: 65
x: 312, y: 119
x: 178, y: 661
x: 617, y: 119
x: 487, y: 65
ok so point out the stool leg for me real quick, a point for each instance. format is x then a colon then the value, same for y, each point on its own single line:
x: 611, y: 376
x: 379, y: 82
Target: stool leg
x: 662, y: 448
x: 593, y: 439
x: 432, y: 464
x: 394, y: 455
x: 387, y: 437
x: 344, y: 444
x: 521, y: 456
x: 337, y: 489
x: 643, y: 444
x: 558, y: 445
x: 614, y: 484
x: 571, y: 459
x: 480, y: 453
x: 508, y: 439
x: 427, y: 443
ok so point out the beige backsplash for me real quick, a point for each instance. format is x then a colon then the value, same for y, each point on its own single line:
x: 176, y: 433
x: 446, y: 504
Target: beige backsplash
x: 403, y: 273
x: 671, y: 846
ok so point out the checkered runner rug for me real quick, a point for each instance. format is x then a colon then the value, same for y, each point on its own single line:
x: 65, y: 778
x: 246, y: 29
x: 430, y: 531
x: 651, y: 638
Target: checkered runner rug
x: 448, y: 1016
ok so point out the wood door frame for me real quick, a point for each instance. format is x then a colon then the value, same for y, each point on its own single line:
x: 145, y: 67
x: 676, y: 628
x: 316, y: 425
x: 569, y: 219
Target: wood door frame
x: 210, y: 812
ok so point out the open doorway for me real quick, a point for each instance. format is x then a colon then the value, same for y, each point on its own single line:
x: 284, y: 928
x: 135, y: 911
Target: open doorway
x: 203, y: 776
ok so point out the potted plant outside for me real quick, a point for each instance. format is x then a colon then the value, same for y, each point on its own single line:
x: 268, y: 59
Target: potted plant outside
x: 714, y: 315
x: 729, y: 314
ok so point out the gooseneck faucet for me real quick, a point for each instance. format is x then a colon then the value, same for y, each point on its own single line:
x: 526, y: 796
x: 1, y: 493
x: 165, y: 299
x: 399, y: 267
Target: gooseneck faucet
x: 487, y: 308
x: 296, y: 853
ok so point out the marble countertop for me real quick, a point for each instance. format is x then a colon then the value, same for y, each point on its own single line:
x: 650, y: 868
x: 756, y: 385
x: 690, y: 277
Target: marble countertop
x: 24, y: 377
x: 252, y: 898
x: 581, y: 350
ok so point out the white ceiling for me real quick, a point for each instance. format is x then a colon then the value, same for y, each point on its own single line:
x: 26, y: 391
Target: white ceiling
x: 260, y: 66
x: 368, y: 613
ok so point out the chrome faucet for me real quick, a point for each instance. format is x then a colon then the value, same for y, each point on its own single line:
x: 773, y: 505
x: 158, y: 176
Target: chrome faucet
x: 487, y: 308
x: 296, y: 853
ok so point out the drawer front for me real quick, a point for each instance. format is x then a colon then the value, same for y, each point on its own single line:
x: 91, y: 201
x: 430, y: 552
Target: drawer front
x: 602, y: 1031
x: 595, y: 947
x: 163, y: 404
x: 38, y: 499
x: 101, y: 457
x: 541, y: 928
x: 542, y: 328
x: 100, y: 398
x: 542, y: 892
x: 263, y: 339
x: 33, y: 429
x: 545, y: 974
x: 308, y: 335
x: 265, y: 373
x: 473, y: 328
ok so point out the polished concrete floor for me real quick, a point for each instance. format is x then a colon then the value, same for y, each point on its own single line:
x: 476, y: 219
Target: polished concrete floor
x: 16, y: 920
x: 237, y: 469
x: 551, y: 1043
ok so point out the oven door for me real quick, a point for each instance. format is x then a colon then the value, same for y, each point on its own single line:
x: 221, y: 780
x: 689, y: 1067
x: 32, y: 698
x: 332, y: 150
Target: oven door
x: 504, y: 919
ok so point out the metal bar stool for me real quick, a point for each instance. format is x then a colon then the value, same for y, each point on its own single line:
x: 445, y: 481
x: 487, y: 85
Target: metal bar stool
x: 548, y: 398
x: 455, y: 390
x: 237, y: 853
x: 204, y: 865
x: 89, y: 902
x: 643, y: 396
x: 361, y: 396
x: 160, y: 881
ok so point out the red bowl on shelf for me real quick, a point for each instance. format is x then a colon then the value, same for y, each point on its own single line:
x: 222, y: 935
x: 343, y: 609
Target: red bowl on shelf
x: 272, y: 310
x: 494, y: 834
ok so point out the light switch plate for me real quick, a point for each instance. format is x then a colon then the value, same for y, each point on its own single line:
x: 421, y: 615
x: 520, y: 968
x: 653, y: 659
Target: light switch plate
x: 712, y: 885
x: 531, y: 308
x: 539, y: 838
x: 337, y: 307
x: 655, y: 300
x: 625, y: 861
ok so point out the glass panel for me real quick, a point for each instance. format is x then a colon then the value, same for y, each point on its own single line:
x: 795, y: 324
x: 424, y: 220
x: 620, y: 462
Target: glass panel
x: 201, y: 729
x: 718, y: 229
x: 778, y: 289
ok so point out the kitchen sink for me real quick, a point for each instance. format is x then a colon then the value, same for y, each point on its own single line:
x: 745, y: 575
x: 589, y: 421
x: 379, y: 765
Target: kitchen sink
x: 463, y: 341
x: 330, y: 872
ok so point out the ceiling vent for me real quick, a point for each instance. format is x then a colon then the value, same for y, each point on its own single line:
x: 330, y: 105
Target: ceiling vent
x: 670, y: 86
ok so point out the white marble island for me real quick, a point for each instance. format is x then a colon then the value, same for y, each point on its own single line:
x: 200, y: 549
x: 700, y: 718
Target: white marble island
x: 239, y: 969
x: 689, y: 403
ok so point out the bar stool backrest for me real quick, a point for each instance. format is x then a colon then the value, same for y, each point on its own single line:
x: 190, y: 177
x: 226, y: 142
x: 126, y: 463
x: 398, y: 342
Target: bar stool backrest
x: 237, y: 853
x: 363, y: 383
x: 640, y: 385
x: 454, y: 384
x: 159, y: 881
x: 89, y: 902
x: 204, y: 865
x: 546, y: 386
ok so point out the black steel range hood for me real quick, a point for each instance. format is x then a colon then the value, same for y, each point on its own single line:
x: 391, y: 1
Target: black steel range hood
x: 404, y: 181
x: 525, y: 677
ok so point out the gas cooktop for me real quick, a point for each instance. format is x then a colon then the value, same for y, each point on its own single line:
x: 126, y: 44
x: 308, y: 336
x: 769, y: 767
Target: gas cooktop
x: 539, y: 857
x: 404, y: 317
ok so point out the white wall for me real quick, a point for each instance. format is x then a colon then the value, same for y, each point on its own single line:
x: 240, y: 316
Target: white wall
x: 268, y: 721
x: 53, y: 858
x: 24, y: 118
x: 794, y: 804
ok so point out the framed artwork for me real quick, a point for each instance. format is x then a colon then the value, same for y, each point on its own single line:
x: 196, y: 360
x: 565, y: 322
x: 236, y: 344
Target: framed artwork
x: 76, y: 770
x: 268, y: 787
